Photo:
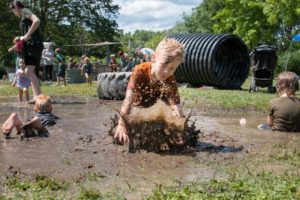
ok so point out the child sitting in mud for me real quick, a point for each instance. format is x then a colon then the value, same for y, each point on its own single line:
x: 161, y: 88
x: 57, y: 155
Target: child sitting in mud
x: 151, y: 81
x: 35, y: 126
x: 284, y: 111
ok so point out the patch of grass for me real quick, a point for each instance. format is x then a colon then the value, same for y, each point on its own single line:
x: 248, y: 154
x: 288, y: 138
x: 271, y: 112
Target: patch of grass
x: 39, y: 187
x: 94, y: 176
x: 93, y: 194
x: 254, y: 186
x: 288, y: 153
x: 227, y: 99
x: 86, y: 194
x: 6, y: 90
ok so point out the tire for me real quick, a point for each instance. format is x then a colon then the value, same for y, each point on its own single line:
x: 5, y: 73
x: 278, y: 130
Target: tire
x: 112, y: 85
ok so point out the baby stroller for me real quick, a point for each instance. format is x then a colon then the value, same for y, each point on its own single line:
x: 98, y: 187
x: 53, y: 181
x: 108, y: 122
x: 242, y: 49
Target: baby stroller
x: 263, y: 63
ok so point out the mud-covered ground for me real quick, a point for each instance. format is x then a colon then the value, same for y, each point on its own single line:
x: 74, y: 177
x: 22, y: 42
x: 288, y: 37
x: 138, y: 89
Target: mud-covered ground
x: 79, y: 144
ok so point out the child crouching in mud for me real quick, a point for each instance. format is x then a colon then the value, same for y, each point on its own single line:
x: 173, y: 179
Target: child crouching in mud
x: 35, y: 126
x: 151, y: 81
x: 284, y: 111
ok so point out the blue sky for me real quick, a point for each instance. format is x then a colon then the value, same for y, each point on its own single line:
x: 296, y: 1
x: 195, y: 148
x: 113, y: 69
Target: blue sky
x: 153, y: 15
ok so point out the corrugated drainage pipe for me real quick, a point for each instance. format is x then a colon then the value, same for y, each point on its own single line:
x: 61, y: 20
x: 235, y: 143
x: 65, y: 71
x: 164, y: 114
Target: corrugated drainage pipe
x: 220, y: 60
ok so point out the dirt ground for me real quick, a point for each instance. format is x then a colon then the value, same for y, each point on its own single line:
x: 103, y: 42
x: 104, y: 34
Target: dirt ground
x: 79, y: 143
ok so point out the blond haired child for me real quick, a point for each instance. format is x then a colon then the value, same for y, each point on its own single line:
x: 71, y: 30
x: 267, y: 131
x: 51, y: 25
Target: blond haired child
x: 37, y: 125
x: 21, y: 81
x: 87, y: 68
x: 284, y: 111
x: 151, y: 81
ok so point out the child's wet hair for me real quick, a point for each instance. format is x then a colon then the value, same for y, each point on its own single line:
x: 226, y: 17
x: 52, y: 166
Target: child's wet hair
x: 287, y: 82
x: 172, y: 48
x: 43, y: 104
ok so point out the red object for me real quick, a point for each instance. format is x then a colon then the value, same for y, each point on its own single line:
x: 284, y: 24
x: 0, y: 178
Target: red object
x: 19, y: 46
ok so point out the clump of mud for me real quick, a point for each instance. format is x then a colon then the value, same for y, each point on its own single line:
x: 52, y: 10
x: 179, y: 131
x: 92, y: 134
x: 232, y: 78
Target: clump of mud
x: 156, y: 129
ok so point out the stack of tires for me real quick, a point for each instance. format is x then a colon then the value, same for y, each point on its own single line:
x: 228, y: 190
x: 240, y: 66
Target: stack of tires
x: 112, y: 85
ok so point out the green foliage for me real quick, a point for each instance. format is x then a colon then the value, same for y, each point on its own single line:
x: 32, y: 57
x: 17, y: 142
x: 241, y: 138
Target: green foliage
x: 153, y: 42
x: 93, y: 194
x: 141, y: 38
x: 65, y: 22
x: 256, y: 22
x: 38, y: 187
x: 89, y: 194
x: 201, y: 19
x: 289, y: 61
x: 38, y: 184
x: 254, y: 186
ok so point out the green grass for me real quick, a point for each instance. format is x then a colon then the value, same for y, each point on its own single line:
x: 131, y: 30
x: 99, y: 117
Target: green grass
x: 201, y: 97
x: 251, y: 186
x: 38, y: 187
x: 6, y: 90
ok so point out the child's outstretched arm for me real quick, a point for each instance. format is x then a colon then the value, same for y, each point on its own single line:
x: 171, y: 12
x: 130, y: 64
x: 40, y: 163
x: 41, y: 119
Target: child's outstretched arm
x: 121, y: 132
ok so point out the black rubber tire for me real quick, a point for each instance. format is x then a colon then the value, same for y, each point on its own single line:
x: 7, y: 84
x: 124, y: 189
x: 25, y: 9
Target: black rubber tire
x: 112, y: 85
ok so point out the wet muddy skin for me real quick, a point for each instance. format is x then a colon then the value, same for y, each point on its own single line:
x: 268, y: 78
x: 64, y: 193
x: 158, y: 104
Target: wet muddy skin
x: 79, y: 143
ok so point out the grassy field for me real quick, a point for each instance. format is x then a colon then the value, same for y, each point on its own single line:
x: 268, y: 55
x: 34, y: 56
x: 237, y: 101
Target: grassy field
x: 206, y: 97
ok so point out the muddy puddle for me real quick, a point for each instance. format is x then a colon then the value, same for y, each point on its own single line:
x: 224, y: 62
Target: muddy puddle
x: 79, y: 144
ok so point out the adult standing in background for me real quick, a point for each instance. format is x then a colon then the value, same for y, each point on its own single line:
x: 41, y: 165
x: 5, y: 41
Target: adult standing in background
x: 48, y: 56
x: 30, y: 34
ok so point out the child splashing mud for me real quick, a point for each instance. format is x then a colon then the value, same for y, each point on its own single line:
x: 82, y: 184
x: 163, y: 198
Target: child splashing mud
x: 149, y: 82
x: 37, y: 125
x: 284, y: 111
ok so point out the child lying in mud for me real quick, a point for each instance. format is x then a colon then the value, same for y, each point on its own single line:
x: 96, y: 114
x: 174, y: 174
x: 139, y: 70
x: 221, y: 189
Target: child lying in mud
x: 35, y: 126
x: 284, y: 111
x: 151, y: 81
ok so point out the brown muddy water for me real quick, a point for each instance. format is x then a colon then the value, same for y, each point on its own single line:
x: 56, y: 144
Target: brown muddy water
x: 79, y: 144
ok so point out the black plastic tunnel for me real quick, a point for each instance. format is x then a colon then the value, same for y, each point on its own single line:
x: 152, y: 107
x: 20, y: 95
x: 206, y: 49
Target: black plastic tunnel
x: 220, y: 60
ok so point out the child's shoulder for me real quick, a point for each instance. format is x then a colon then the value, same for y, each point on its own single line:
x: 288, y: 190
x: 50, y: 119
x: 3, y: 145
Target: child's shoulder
x: 143, y: 67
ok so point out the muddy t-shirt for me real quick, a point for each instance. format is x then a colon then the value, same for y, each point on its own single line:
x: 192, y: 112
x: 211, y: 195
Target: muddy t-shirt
x: 148, y: 92
x: 285, y: 112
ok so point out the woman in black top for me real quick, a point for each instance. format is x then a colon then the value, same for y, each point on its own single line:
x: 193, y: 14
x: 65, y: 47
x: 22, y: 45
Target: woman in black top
x: 33, y: 43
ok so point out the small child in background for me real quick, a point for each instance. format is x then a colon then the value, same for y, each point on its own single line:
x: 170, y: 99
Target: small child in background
x: 87, y: 68
x: 21, y: 81
x: 113, y: 63
x: 61, y: 71
x: 284, y: 111
x: 37, y: 125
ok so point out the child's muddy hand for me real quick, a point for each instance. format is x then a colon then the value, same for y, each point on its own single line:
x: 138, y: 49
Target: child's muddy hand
x: 121, y: 134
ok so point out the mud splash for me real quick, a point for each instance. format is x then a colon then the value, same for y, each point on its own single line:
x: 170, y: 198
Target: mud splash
x: 158, y: 130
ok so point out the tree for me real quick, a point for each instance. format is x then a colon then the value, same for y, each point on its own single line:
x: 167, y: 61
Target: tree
x: 201, y: 19
x: 259, y: 22
x: 66, y: 21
